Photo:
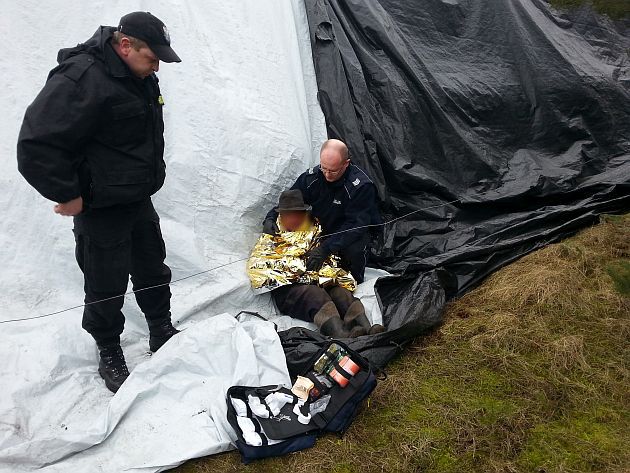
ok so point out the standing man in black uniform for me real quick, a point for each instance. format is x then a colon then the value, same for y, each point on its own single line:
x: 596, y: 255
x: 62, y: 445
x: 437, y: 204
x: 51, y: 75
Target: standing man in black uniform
x: 343, y: 199
x: 93, y: 141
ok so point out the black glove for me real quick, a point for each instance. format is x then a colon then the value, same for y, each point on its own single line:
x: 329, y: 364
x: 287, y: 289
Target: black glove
x: 270, y: 227
x: 315, y: 259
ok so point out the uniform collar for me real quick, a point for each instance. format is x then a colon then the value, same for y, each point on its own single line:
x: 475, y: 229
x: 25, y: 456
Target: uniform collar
x: 339, y: 182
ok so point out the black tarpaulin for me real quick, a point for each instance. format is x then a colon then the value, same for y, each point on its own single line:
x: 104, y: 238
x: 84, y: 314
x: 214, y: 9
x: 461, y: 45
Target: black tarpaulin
x: 505, y: 125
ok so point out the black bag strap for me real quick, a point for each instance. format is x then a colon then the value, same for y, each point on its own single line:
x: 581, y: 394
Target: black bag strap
x: 249, y: 312
x: 232, y: 394
x: 259, y: 430
x: 341, y: 371
x: 380, y: 373
x: 318, y: 384
x: 254, y: 392
x: 255, y: 314
x: 320, y: 421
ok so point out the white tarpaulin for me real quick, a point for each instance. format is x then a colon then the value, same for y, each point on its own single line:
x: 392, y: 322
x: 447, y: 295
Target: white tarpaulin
x: 242, y: 122
x: 170, y: 408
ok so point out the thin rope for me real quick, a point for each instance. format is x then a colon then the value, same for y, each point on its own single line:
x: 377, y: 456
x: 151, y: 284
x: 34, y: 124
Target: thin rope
x: 373, y: 225
x: 125, y: 294
x: 207, y: 270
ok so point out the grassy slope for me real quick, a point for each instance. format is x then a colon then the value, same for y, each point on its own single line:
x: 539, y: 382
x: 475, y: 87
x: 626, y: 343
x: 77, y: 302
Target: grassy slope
x: 529, y: 373
x: 616, y: 9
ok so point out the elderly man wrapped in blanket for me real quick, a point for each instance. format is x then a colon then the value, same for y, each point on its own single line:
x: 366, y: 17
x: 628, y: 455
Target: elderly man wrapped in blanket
x: 278, y: 264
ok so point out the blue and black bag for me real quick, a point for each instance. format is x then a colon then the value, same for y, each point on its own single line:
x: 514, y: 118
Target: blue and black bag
x: 283, y: 433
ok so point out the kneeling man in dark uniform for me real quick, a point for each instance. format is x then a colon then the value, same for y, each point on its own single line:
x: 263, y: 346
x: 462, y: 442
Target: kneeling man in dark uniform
x: 343, y: 199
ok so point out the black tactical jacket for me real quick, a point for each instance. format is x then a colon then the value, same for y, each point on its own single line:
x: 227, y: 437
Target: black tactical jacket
x: 94, y: 130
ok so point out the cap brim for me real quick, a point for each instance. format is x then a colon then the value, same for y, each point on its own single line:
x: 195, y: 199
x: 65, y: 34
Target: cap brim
x: 165, y: 53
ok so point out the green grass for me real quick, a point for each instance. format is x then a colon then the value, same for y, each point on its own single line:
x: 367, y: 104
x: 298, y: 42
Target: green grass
x: 616, y: 9
x: 619, y: 272
x: 529, y: 373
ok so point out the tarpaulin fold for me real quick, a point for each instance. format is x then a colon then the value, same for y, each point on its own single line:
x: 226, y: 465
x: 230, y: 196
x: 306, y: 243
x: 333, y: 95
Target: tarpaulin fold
x: 241, y: 123
x: 508, y: 121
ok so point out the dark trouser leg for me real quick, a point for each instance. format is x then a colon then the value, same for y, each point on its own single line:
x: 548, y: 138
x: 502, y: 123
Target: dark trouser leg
x: 354, y: 257
x: 312, y: 304
x: 300, y: 301
x: 148, y: 269
x: 342, y: 298
x: 103, y: 251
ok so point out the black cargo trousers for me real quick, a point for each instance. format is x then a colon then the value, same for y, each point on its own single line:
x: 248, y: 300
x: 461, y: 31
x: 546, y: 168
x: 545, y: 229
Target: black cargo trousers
x: 112, y: 244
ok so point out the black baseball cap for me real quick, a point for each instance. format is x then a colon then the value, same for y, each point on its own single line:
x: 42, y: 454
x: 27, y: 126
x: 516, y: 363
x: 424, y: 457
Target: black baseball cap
x: 151, y: 30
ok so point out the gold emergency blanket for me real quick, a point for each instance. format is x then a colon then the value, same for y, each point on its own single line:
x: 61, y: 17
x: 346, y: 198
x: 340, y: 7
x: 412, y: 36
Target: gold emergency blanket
x: 280, y: 260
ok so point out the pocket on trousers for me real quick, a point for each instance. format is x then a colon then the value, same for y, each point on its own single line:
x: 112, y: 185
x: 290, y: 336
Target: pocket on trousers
x: 106, y: 265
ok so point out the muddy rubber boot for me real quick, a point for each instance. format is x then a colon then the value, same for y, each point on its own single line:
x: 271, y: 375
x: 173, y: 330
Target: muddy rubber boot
x: 329, y: 321
x: 358, y: 323
x: 112, y: 366
x: 160, y: 334
x: 376, y: 328
x: 334, y: 328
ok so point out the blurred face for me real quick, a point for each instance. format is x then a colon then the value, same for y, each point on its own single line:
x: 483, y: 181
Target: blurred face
x: 292, y: 221
x: 332, y: 164
x: 142, y: 62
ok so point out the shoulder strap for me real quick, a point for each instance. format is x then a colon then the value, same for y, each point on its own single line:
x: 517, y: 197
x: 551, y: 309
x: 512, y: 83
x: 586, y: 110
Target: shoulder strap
x: 254, y: 314
x: 77, y: 66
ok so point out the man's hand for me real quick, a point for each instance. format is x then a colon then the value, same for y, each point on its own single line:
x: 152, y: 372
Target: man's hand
x: 315, y: 259
x: 71, y: 208
x: 270, y: 227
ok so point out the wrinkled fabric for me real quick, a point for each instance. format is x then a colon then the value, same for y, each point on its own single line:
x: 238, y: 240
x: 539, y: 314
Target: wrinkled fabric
x: 279, y: 260
x: 241, y: 122
x: 504, y: 125
x: 180, y: 389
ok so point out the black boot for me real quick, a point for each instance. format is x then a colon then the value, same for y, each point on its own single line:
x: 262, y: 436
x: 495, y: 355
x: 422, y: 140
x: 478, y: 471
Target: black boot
x: 357, y: 322
x: 161, y: 333
x: 329, y: 321
x: 112, y: 366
